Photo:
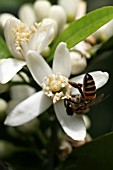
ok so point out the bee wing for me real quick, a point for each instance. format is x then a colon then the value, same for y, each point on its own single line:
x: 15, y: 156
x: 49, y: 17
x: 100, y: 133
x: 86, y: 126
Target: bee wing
x: 87, y: 104
x: 97, y: 100
x: 78, y: 106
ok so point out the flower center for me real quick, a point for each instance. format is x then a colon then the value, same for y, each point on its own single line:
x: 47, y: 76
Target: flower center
x: 22, y: 33
x: 56, y: 86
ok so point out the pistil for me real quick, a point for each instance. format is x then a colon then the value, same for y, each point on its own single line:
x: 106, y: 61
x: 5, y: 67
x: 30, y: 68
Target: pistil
x: 56, y: 86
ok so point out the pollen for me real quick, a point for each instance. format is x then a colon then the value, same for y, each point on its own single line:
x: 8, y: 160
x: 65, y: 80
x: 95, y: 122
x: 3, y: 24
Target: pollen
x: 22, y: 33
x: 56, y: 86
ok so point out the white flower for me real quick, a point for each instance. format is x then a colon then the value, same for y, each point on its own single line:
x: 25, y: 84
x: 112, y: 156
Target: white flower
x: 38, y: 103
x: 21, y: 38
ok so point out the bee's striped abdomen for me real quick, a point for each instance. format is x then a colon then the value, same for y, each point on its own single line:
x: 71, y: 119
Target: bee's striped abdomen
x: 89, y: 88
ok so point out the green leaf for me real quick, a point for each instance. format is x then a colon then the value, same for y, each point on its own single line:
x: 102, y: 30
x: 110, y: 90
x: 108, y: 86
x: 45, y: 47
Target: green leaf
x: 82, y: 28
x: 95, y: 155
x: 4, y: 52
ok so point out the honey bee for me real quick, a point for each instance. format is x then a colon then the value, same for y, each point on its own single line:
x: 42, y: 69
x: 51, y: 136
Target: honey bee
x: 80, y: 104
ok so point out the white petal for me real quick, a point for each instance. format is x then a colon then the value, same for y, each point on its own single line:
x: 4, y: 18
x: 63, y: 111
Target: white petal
x: 54, y: 25
x: 37, y: 66
x: 10, y: 25
x: 28, y: 109
x: 99, y: 77
x: 62, y: 60
x: 8, y: 68
x: 3, y: 18
x: 42, y: 37
x: 73, y: 125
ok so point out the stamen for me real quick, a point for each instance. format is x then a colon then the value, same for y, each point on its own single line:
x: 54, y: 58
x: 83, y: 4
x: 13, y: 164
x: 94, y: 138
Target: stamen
x: 22, y: 33
x: 56, y: 86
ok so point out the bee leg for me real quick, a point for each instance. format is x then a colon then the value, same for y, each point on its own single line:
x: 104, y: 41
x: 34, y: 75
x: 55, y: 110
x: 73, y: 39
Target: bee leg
x: 75, y: 85
x: 78, y: 86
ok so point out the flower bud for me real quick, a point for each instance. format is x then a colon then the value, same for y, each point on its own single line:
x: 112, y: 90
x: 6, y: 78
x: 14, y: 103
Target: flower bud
x: 20, y: 77
x: 81, y: 10
x: 70, y: 7
x: 45, y: 53
x: 84, y: 48
x: 78, y: 62
x: 65, y: 148
x: 21, y: 92
x: 105, y: 32
x: 27, y: 15
x: 87, y: 121
x: 42, y: 9
x: 58, y: 14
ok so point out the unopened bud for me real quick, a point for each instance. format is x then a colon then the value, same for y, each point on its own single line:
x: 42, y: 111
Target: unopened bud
x: 27, y: 15
x: 87, y: 121
x: 78, y: 62
x: 65, y: 148
x: 58, y: 14
x: 22, y: 92
x: 42, y: 9
x: 81, y: 10
x: 45, y: 53
x: 70, y: 7
x: 105, y: 32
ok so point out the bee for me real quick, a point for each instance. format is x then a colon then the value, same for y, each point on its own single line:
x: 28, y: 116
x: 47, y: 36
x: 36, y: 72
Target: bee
x: 81, y: 103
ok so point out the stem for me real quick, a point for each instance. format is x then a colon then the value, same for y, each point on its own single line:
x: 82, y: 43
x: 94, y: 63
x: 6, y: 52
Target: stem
x: 53, y: 145
x: 41, y: 137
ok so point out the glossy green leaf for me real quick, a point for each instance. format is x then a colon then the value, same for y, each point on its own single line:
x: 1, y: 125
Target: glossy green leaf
x: 4, y: 52
x: 82, y: 28
x: 95, y: 155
